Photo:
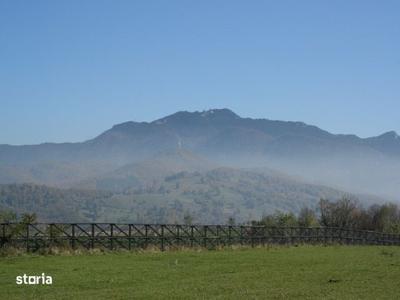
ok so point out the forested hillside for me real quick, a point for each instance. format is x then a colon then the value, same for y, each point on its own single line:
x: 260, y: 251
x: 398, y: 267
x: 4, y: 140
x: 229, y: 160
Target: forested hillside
x: 213, y: 196
x: 52, y: 204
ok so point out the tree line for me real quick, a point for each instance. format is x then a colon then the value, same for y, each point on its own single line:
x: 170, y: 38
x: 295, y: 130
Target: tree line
x: 344, y: 213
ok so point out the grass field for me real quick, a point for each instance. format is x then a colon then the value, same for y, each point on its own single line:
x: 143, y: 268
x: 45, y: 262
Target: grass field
x: 306, y: 272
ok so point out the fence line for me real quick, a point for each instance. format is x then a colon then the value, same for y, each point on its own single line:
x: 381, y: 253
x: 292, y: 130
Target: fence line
x: 33, y: 237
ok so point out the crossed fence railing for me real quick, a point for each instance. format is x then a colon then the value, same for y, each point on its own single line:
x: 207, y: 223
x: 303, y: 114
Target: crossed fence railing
x: 33, y: 237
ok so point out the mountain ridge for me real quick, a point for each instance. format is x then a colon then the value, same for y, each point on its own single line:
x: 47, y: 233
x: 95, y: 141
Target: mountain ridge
x: 162, y: 120
x: 222, y: 137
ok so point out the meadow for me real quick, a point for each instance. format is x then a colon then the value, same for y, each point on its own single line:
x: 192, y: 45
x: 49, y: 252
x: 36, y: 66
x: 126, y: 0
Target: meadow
x: 303, y: 272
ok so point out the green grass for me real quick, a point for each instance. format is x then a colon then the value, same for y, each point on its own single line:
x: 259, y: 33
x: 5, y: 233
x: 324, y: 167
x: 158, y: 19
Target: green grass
x: 306, y: 272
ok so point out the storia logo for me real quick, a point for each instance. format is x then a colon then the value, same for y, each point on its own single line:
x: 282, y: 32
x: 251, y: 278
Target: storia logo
x: 35, y: 279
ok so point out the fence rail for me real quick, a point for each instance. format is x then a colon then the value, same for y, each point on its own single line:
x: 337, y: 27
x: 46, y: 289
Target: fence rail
x: 33, y: 237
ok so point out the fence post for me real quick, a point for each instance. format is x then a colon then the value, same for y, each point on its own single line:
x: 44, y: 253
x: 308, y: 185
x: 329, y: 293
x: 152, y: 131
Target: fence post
x: 217, y: 239
x: 3, y: 238
x: 230, y: 235
x: 162, y: 237
x: 263, y: 237
x: 51, y: 237
x: 292, y: 235
x: 112, y: 237
x: 92, y: 242
x: 252, y: 236
x: 178, y: 238
x: 129, y: 236
x: 146, y: 235
x: 191, y: 235
x: 73, y: 236
x: 205, y: 237
x: 27, y: 237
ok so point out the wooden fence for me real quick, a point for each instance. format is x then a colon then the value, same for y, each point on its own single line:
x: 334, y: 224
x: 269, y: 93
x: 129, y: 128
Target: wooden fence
x: 33, y: 237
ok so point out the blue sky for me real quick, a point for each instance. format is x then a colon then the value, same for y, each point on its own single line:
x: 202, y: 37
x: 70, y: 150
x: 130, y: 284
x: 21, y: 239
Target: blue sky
x: 71, y: 69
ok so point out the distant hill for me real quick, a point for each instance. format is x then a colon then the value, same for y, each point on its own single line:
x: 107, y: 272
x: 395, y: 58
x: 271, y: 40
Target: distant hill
x: 211, y: 196
x: 148, y: 171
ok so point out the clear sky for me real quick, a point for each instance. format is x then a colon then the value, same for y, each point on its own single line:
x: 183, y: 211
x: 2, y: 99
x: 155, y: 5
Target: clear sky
x: 71, y: 69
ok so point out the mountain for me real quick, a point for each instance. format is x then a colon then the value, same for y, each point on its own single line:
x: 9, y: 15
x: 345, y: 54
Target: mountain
x: 218, y: 136
x: 388, y: 143
x: 217, y: 131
